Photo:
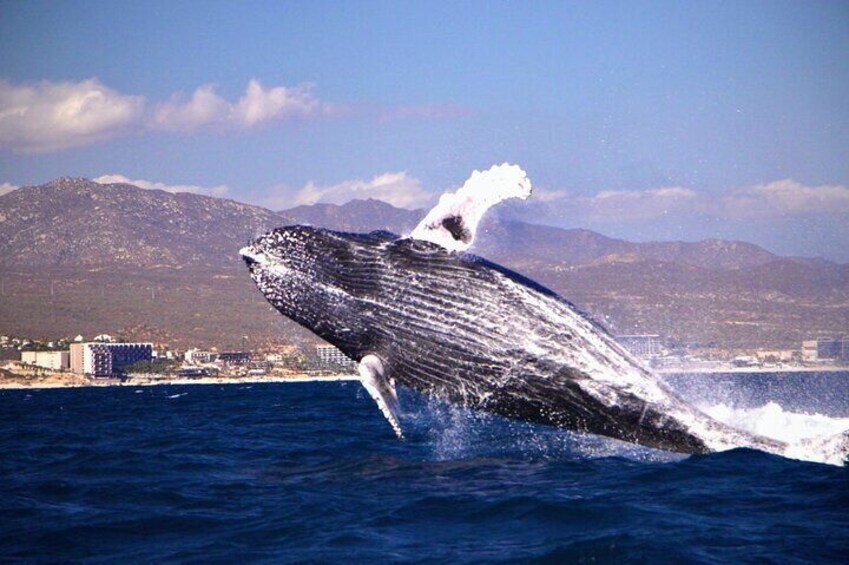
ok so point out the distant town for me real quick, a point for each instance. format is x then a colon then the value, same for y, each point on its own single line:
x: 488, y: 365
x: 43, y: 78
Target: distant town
x: 104, y: 360
x: 816, y: 354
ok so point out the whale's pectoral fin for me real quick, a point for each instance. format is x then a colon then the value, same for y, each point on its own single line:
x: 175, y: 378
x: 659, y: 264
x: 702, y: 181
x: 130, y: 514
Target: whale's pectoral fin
x: 381, y: 389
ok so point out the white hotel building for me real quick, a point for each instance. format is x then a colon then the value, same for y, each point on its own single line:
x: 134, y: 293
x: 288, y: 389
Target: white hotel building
x: 107, y: 359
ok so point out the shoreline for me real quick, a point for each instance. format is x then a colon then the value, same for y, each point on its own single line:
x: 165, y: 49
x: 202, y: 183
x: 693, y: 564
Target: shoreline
x: 78, y: 381
x: 166, y: 381
x: 760, y: 370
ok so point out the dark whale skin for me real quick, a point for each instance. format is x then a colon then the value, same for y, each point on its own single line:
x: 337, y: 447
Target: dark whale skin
x: 462, y: 328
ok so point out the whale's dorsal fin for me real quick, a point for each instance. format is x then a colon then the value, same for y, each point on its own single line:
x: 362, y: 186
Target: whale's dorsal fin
x: 381, y: 389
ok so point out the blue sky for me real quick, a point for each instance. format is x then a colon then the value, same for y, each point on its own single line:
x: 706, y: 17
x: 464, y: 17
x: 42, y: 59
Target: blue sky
x: 660, y: 120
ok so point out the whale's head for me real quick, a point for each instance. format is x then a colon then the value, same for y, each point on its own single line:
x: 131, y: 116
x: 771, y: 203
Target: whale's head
x: 316, y: 276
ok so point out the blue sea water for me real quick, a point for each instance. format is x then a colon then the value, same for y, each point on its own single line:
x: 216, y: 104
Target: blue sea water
x: 308, y: 472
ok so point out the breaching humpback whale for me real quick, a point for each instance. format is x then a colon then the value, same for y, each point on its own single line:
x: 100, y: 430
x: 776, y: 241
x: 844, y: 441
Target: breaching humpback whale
x: 454, y: 325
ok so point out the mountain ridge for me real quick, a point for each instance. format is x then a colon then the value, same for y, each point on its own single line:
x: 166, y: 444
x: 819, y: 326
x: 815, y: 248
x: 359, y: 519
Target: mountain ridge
x: 80, y: 257
x: 177, y: 225
x: 78, y: 221
x: 497, y: 236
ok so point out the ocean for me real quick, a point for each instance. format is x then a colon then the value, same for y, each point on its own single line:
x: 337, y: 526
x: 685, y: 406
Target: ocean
x: 311, y: 472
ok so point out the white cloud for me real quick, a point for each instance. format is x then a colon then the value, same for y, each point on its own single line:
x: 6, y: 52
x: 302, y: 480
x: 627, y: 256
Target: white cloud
x: 37, y: 118
x: 219, y: 190
x: 547, y: 195
x: 260, y: 105
x: 7, y: 187
x: 206, y: 109
x: 772, y: 202
x: 398, y: 189
x: 618, y: 205
x: 786, y: 197
x: 49, y: 116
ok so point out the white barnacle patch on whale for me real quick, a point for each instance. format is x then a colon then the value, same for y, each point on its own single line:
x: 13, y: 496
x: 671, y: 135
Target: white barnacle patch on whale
x: 253, y: 256
x: 250, y: 254
x: 453, y: 222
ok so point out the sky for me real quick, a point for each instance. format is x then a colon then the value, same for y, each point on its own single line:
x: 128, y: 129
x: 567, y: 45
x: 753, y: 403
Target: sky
x: 640, y: 120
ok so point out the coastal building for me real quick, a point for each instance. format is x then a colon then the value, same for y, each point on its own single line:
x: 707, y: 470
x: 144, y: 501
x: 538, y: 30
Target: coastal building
x: 331, y: 355
x: 776, y: 355
x: 234, y: 357
x: 809, y: 350
x: 77, y: 357
x: 198, y: 357
x: 56, y: 360
x: 826, y: 349
x: 97, y: 361
x: 107, y: 359
x: 644, y: 345
x: 193, y: 372
x: 166, y: 354
x: 744, y: 361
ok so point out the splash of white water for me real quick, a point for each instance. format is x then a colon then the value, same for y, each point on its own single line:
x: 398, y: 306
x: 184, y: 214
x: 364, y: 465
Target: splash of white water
x: 771, y: 420
x: 810, y: 437
x: 459, y: 433
x: 453, y: 222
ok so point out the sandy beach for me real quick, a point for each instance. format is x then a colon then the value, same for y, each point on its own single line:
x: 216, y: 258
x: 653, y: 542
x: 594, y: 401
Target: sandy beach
x: 72, y: 380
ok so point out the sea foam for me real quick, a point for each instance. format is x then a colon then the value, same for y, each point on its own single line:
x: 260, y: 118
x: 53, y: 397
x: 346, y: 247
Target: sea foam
x: 810, y: 436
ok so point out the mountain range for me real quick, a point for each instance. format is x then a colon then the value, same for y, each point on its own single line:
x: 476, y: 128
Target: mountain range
x: 81, y: 257
x: 78, y: 222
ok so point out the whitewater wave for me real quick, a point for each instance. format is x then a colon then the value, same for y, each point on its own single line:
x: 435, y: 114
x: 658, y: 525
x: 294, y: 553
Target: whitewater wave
x: 773, y: 421
x: 809, y: 436
x: 455, y: 433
